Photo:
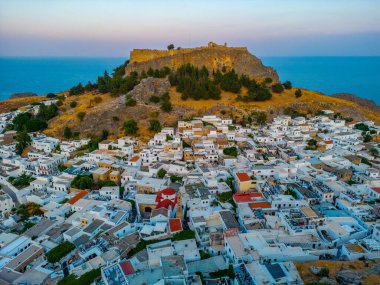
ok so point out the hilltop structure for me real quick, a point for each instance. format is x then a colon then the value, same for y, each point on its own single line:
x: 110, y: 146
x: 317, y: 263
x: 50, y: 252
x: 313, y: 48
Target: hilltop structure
x: 213, y: 57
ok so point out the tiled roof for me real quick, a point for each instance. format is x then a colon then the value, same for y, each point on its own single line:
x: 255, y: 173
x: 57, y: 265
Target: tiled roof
x: 377, y: 190
x: 243, y: 177
x: 242, y: 197
x: 168, y: 191
x: 77, y: 197
x: 127, y: 267
x: 175, y: 225
x: 135, y: 158
x: 260, y: 205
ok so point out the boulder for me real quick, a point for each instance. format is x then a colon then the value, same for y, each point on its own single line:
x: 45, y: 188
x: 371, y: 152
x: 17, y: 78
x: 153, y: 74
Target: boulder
x: 149, y: 87
x: 348, y: 277
x: 315, y: 269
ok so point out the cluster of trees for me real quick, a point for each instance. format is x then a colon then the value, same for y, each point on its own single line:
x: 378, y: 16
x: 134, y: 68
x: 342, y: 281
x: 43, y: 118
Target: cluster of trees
x: 228, y: 81
x: 256, y: 91
x: 68, y: 134
x: 86, y: 182
x: 82, y: 182
x: 231, y: 151
x: 28, y: 210
x: 194, y: 83
x: 21, y: 181
x: 312, y: 144
x: 116, y: 84
x: 30, y: 123
x: 25, y: 123
x: 157, y: 73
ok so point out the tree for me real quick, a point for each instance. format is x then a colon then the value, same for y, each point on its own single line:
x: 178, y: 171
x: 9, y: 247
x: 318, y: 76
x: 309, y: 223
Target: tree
x: 166, y: 106
x: 161, y: 173
x: 73, y: 104
x: 231, y: 151
x: 362, y: 127
x: 374, y: 151
x: 154, y: 99
x: 260, y: 117
x: 50, y: 95
x: 67, y: 133
x: 82, y: 182
x: 268, y: 80
x: 23, y: 140
x: 28, y: 210
x: 298, y: 93
x: 367, y: 138
x: 81, y: 116
x: 170, y: 46
x: 277, y: 88
x: 56, y: 253
x: 155, y: 125
x: 77, y: 90
x: 130, y: 127
x: 287, y: 84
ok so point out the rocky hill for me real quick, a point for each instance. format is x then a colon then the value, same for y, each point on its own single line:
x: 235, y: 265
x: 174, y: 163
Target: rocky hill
x: 370, y: 104
x: 213, y: 57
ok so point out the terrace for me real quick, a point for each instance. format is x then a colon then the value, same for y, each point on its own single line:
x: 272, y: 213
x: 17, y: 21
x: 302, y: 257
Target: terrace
x: 242, y: 275
x: 113, y: 275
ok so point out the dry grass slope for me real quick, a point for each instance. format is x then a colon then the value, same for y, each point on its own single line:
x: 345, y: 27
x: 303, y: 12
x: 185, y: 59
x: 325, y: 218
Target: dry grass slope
x: 369, y: 275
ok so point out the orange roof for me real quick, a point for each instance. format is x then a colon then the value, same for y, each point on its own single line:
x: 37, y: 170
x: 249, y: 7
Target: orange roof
x: 328, y: 142
x: 260, y: 205
x: 77, y: 197
x: 245, y: 197
x: 243, y: 177
x: 175, y: 225
x: 135, y: 158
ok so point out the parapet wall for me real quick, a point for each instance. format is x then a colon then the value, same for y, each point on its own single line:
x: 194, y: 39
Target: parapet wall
x: 140, y: 55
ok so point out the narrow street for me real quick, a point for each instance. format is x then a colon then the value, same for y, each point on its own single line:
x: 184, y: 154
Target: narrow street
x: 13, y: 195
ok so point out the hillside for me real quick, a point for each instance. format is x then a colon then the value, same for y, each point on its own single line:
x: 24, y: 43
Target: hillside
x: 370, y: 104
x: 238, y: 83
x: 15, y: 103
x: 213, y: 57
x: 111, y: 112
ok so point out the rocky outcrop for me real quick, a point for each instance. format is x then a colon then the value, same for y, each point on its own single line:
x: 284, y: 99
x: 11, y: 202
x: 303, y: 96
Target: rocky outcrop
x: 370, y: 104
x: 22, y: 95
x: 148, y: 87
x: 347, y: 277
x: 213, y: 57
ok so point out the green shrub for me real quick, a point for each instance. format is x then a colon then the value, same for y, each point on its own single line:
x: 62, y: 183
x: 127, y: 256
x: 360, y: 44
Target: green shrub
x: 56, y: 253
x: 130, y: 127
x: 231, y: 151
x: 161, y: 173
x: 155, y: 125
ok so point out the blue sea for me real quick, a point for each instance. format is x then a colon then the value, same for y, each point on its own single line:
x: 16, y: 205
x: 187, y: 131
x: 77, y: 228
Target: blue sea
x: 357, y: 75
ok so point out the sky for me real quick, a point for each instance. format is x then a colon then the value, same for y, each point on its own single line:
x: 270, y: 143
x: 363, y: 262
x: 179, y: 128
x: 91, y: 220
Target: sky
x: 113, y: 27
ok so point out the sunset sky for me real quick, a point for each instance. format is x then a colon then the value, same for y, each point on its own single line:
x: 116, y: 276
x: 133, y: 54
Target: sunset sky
x: 114, y: 27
